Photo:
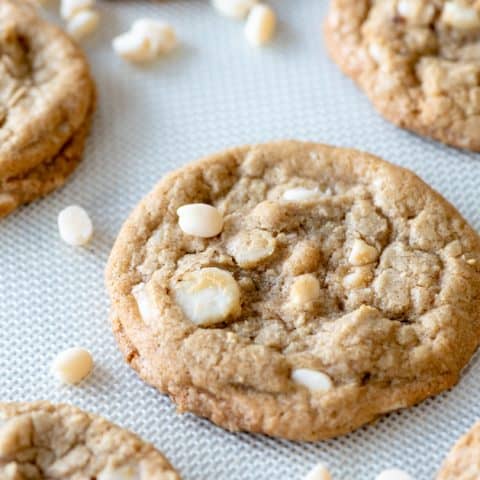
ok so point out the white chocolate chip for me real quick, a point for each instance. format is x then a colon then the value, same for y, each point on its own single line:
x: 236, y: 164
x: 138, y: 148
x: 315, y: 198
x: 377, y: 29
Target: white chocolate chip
x: 393, y: 474
x: 299, y: 194
x: 208, y: 296
x: 251, y: 247
x: 234, y: 8
x: 69, y: 8
x: 128, y: 472
x: 362, y: 253
x: 312, y: 379
x: 319, y: 472
x: 145, y: 304
x: 200, y: 220
x: 72, y: 365
x: 75, y: 226
x: 460, y: 16
x: 261, y: 24
x: 160, y: 35
x: 83, y: 24
x: 131, y: 47
x: 416, y: 12
x: 305, y: 289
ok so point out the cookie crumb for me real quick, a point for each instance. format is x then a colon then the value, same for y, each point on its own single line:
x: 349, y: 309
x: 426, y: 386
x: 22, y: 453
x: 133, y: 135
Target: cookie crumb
x: 261, y: 25
x: 75, y: 226
x: 73, y: 365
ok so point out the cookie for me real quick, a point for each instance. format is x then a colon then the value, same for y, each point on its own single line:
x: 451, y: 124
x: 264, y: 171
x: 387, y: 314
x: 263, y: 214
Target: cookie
x: 417, y: 60
x: 339, y: 287
x: 463, y: 461
x: 47, y: 97
x: 61, y: 442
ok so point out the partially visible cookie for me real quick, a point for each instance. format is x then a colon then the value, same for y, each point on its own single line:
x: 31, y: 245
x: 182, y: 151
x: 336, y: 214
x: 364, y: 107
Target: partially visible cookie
x: 417, y: 60
x: 463, y: 461
x: 60, y: 442
x: 329, y: 287
x: 47, y: 97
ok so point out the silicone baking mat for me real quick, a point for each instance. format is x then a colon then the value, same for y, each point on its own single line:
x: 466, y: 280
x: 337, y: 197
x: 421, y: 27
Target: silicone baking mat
x: 214, y: 92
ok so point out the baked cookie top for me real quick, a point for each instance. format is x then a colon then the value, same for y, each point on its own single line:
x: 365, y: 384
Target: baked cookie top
x: 61, y: 442
x: 340, y: 287
x: 417, y: 60
x: 46, y: 90
x: 463, y: 461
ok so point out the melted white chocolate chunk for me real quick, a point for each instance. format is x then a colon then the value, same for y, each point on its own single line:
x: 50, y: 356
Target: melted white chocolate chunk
x: 312, y: 379
x: 208, y: 296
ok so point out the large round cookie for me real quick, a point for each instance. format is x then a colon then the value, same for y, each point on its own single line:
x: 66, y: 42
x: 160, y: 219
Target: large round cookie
x: 463, y: 461
x: 341, y: 287
x: 417, y: 60
x: 60, y: 442
x: 47, y: 97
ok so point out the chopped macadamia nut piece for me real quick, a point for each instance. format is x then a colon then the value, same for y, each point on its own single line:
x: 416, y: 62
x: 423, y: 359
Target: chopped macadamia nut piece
x: 249, y: 248
x: 319, y: 472
x: 460, y: 16
x: 393, y: 474
x: 261, y: 25
x: 69, y: 8
x: 304, y: 289
x: 72, y: 365
x: 83, y: 24
x: 145, y: 304
x: 128, y: 472
x: 234, y: 8
x: 312, y: 379
x: 134, y: 48
x: 362, y: 253
x: 161, y: 36
x: 75, y: 226
x: 359, y: 277
x: 200, y: 220
x: 417, y: 12
x: 208, y: 296
x: 299, y: 194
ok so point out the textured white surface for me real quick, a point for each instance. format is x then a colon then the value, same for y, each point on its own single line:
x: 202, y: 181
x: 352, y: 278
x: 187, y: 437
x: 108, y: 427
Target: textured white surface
x: 213, y: 92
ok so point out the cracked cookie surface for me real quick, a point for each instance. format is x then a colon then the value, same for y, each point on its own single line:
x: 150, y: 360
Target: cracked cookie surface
x: 60, y: 442
x: 47, y: 97
x: 463, y: 461
x: 417, y: 60
x: 341, y: 287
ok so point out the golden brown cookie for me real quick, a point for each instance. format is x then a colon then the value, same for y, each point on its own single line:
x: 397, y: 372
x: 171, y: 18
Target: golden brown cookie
x: 61, y: 442
x: 463, y: 461
x: 417, y: 60
x: 340, y: 287
x: 46, y: 100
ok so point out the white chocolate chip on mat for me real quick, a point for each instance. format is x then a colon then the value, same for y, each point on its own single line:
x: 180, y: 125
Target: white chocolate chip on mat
x: 68, y: 8
x: 312, y: 379
x: 234, y: 8
x: 362, y: 253
x: 75, y: 226
x: 249, y: 248
x: 145, y: 304
x: 305, y: 289
x: 261, y: 24
x: 200, y: 220
x: 319, y: 472
x: 160, y: 35
x: 460, y: 16
x: 208, y: 296
x: 83, y: 24
x: 299, y: 194
x: 73, y: 365
x: 393, y: 474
